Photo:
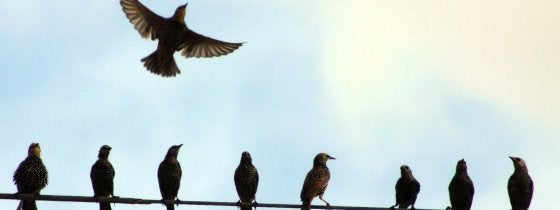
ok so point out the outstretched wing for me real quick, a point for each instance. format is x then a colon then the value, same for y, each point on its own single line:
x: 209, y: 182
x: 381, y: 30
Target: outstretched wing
x: 148, y: 23
x: 199, y: 46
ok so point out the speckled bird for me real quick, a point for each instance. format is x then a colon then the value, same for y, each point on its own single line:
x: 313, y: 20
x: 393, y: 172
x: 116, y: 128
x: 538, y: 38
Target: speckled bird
x: 520, y: 186
x: 173, y: 35
x: 407, y: 189
x: 102, y: 174
x: 316, y: 181
x: 169, y: 176
x: 461, y: 188
x: 31, y: 176
x: 246, y: 180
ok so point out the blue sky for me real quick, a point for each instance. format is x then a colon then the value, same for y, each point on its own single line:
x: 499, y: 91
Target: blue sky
x: 375, y: 84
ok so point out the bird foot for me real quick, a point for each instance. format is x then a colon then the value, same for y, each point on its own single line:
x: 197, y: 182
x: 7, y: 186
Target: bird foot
x: 177, y: 201
x: 448, y: 208
x: 167, y: 202
x: 255, y: 204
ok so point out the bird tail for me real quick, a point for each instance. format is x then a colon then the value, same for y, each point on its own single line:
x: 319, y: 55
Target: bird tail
x: 105, y: 206
x: 170, y: 206
x: 306, y: 205
x: 161, y: 63
x: 28, y: 205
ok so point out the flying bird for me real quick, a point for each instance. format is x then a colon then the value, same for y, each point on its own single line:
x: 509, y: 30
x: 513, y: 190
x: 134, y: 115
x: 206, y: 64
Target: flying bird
x: 407, y: 189
x: 316, y: 181
x: 173, y: 35
x: 169, y: 176
x: 246, y: 180
x: 31, y: 176
x: 102, y: 174
x: 520, y: 186
x: 461, y: 188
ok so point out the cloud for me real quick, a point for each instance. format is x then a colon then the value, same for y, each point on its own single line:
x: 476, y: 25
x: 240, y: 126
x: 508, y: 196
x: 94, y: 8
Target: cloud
x: 506, y: 53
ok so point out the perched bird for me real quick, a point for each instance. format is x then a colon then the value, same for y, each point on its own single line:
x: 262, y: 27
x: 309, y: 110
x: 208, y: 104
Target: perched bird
x: 316, y: 181
x: 461, y: 188
x: 520, y: 186
x: 407, y: 188
x: 31, y: 176
x: 173, y: 35
x: 169, y: 176
x: 102, y: 174
x: 246, y: 180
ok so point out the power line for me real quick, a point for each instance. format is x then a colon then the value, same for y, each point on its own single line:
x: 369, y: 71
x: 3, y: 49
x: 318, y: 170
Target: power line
x: 67, y: 198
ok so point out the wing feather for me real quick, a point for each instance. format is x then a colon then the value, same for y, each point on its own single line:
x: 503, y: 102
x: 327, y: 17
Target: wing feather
x: 199, y: 46
x: 146, y: 22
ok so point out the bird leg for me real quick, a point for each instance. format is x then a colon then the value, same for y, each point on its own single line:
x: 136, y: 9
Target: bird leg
x: 393, y: 207
x: 448, y: 208
x: 327, y: 203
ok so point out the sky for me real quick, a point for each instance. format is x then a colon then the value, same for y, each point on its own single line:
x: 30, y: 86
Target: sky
x: 376, y: 84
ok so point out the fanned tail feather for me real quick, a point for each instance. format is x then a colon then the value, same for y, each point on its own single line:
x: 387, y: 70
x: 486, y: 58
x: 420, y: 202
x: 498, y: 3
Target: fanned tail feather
x: 161, y: 64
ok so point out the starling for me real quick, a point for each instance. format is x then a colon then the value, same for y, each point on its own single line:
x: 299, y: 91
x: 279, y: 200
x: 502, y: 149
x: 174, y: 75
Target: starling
x: 316, y: 181
x: 520, y: 186
x: 31, y: 176
x: 173, y: 35
x: 407, y: 188
x: 102, y: 174
x: 461, y: 188
x: 169, y: 176
x: 246, y: 181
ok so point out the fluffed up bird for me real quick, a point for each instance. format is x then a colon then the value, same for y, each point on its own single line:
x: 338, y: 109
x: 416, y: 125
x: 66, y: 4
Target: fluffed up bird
x: 461, y: 188
x: 407, y: 189
x: 520, y: 186
x: 173, y: 35
x: 31, y: 176
x: 169, y: 176
x: 102, y: 174
x: 316, y: 181
x: 246, y: 180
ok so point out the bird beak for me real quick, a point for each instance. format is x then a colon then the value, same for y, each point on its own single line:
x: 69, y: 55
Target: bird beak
x: 186, y: 4
x: 180, y: 145
x: 510, y: 157
x: 332, y: 158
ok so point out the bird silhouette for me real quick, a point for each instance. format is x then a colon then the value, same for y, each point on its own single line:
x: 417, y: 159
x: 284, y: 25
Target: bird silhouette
x: 407, y: 189
x: 520, y: 186
x: 102, y: 174
x: 246, y: 180
x: 169, y: 176
x: 173, y: 35
x: 316, y: 181
x: 461, y: 188
x: 31, y: 176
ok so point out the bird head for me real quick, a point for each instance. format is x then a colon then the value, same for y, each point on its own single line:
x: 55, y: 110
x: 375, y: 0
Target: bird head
x: 34, y: 150
x: 322, y: 158
x: 461, y: 167
x: 246, y: 157
x: 104, y: 151
x: 405, y: 171
x: 180, y: 13
x: 519, y: 164
x: 173, y: 151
